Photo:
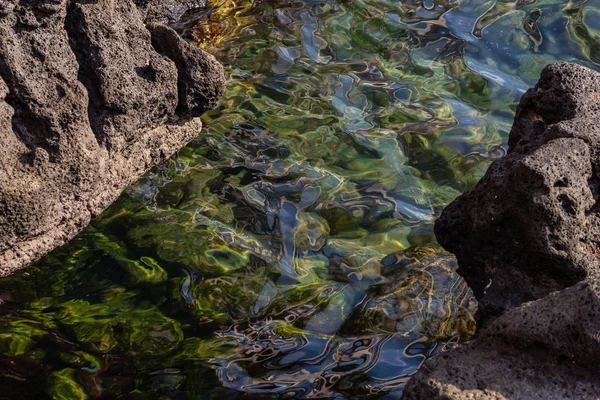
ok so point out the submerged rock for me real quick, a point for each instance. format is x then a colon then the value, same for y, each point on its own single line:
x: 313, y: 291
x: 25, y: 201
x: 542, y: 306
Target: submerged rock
x: 527, y: 240
x: 89, y: 100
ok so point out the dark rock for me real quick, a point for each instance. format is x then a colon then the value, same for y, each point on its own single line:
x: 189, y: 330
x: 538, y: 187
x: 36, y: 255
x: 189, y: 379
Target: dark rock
x: 87, y: 104
x: 532, y: 225
x: 527, y: 240
x: 546, y: 349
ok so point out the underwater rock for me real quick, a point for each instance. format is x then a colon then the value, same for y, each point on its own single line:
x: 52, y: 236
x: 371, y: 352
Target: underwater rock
x: 87, y: 104
x: 527, y: 241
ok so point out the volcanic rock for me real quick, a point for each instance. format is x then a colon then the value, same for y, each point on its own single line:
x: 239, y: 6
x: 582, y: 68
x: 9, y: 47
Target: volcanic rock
x: 87, y: 104
x: 527, y: 241
x: 532, y: 224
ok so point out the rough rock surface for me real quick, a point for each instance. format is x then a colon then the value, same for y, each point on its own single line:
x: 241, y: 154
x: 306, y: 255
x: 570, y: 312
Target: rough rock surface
x: 196, y: 71
x: 167, y: 11
x: 88, y: 102
x: 532, y: 225
x: 527, y: 240
x: 545, y: 349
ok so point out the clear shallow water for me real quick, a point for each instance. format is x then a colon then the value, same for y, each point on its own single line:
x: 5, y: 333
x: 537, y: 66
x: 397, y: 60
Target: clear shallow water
x: 288, y: 251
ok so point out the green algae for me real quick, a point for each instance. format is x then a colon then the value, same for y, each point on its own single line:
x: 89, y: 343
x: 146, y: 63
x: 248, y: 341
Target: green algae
x: 63, y: 386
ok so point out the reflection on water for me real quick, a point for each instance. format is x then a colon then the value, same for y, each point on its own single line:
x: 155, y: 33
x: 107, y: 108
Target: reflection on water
x: 288, y: 251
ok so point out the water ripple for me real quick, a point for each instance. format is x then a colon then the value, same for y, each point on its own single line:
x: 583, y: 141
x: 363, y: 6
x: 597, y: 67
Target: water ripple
x: 288, y: 251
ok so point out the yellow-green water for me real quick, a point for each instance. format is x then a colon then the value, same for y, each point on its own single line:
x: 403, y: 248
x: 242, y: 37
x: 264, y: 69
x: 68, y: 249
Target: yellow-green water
x: 288, y: 251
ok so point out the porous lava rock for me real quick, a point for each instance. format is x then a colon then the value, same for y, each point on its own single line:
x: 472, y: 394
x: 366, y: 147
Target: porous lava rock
x: 527, y: 241
x: 88, y: 102
x: 532, y: 224
x: 167, y: 11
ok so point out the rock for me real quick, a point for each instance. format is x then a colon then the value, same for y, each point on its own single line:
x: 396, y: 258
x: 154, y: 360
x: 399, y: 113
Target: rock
x: 87, y: 104
x: 527, y: 241
x: 546, y: 349
x: 167, y: 12
x: 130, y: 86
x: 533, y: 225
x: 198, y: 90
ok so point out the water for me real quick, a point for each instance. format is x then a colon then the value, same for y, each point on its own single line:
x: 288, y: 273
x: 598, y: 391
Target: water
x: 288, y: 251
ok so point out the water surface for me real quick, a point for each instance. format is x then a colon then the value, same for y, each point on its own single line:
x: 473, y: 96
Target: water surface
x: 288, y: 251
